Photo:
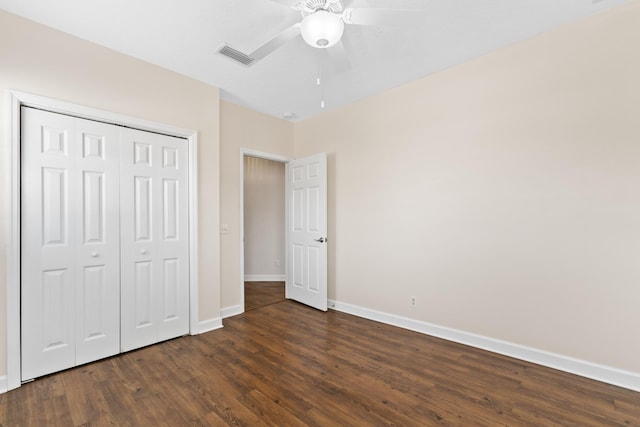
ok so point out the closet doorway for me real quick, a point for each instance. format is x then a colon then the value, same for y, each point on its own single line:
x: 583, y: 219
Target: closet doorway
x: 89, y: 147
x: 105, y: 245
x: 264, y: 230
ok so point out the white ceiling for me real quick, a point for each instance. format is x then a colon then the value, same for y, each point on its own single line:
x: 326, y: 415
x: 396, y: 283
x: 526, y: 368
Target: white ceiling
x: 184, y: 35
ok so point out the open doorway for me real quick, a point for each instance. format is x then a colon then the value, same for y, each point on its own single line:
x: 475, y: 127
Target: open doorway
x: 263, y: 231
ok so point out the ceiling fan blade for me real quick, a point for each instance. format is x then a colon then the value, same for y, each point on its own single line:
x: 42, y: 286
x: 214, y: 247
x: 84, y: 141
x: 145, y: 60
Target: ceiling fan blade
x: 339, y: 57
x: 329, y: 3
x: 383, y: 17
x: 276, y: 42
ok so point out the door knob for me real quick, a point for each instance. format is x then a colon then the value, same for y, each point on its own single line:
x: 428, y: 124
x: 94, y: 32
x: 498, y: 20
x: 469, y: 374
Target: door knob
x: 94, y: 254
x: 321, y: 240
x: 143, y: 251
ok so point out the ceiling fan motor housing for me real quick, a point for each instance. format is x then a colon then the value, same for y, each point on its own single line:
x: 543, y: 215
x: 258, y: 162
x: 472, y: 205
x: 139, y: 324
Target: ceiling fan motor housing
x: 322, y: 29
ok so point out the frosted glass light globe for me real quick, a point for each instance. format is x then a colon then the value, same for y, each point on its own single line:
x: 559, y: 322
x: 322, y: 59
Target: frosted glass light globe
x: 322, y: 29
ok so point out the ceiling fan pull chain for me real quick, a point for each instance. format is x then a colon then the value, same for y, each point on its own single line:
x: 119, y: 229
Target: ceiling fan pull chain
x: 319, y: 83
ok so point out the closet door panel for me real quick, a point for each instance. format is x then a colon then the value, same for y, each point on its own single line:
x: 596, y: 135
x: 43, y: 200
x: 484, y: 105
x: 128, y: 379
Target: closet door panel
x: 48, y: 237
x: 98, y: 246
x: 154, y: 235
x: 139, y: 278
x: 173, y: 235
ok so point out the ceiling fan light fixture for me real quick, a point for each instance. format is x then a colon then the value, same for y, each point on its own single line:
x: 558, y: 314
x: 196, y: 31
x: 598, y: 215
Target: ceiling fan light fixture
x: 322, y: 29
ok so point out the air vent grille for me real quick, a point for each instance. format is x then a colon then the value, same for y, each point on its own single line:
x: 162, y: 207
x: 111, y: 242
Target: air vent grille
x: 236, y: 55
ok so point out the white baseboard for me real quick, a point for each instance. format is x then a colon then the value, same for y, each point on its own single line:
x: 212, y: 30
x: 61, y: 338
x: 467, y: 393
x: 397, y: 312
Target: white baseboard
x: 234, y: 310
x: 264, y: 278
x: 209, y: 325
x: 4, y: 385
x: 607, y: 374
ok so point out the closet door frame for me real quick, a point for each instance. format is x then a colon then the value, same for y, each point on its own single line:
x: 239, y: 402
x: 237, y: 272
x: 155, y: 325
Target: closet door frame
x: 18, y: 99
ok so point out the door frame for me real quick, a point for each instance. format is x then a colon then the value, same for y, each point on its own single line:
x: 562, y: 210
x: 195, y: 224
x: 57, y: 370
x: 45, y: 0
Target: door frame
x: 267, y: 156
x: 17, y: 99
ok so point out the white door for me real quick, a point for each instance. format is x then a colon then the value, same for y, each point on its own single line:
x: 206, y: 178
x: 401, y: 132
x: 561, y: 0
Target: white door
x: 98, y: 244
x: 154, y: 235
x: 70, y: 242
x: 307, y: 231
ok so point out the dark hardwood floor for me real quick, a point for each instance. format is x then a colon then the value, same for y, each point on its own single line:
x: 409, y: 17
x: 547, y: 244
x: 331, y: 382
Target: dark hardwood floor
x: 259, y: 294
x: 288, y: 365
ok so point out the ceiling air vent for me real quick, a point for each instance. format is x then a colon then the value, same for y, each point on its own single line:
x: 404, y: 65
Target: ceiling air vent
x: 236, y: 55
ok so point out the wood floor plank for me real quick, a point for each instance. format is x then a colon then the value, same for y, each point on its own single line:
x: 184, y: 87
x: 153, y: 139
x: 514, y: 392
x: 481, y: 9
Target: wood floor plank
x: 285, y: 364
x: 259, y: 294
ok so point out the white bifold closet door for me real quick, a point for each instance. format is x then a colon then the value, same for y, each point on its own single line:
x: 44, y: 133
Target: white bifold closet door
x: 70, y: 242
x: 155, y: 304
x: 104, y: 241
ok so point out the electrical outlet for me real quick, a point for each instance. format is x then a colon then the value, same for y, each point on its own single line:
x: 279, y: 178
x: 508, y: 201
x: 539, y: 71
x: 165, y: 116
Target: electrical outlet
x: 412, y: 303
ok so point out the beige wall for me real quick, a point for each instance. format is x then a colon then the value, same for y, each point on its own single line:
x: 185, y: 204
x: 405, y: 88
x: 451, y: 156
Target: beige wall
x: 42, y: 61
x: 503, y: 193
x: 264, y: 218
x: 242, y: 128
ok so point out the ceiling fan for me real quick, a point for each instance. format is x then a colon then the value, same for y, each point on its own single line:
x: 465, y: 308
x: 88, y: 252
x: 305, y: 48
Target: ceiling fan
x: 322, y: 27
